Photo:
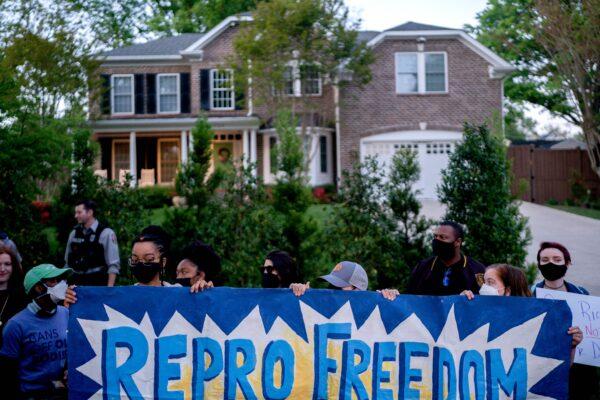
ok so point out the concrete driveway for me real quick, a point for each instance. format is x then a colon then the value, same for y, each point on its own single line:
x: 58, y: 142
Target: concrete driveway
x: 581, y: 235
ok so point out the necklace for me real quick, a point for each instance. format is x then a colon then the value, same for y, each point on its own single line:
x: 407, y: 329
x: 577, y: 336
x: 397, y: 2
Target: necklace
x: 554, y: 288
x: 3, y: 307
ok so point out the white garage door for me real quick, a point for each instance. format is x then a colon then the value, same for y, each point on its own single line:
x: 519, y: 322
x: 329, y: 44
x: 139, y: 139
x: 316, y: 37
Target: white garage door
x: 432, y: 155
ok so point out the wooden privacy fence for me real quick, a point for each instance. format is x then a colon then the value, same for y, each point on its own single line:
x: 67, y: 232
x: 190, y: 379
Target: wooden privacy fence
x: 541, y: 175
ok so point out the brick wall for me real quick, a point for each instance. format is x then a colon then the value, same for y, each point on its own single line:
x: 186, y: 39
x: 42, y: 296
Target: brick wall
x: 376, y: 108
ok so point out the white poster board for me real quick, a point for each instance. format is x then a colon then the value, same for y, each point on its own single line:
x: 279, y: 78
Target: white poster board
x: 586, y: 315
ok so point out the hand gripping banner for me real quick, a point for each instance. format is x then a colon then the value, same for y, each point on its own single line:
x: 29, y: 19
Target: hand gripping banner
x: 224, y: 343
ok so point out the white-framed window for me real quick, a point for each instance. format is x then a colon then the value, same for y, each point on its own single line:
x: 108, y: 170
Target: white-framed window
x: 310, y: 78
x: 222, y: 95
x: 122, y: 94
x: 167, y: 93
x: 301, y: 79
x: 422, y: 72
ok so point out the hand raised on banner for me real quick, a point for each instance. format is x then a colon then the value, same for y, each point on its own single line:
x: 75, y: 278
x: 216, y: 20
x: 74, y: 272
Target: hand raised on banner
x: 70, y: 296
x: 577, y: 335
x: 299, y: 288
x: 389, y: 294
x: 468, y: 293
x: 201, y: 285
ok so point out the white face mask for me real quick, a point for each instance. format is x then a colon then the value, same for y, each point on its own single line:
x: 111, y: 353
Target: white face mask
x: 487, y: 290
x: 58, y: 291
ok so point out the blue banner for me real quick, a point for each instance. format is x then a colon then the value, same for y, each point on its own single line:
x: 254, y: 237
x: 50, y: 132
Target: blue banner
x: 225, y: 343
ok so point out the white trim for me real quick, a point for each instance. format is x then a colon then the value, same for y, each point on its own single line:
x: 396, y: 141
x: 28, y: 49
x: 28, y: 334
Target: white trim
x: 211, y: 76
x: 214, y: 33
x: 173, y: 124
x: 158, y: 76
x: 413, y: 136
x: 139, y: 58
x: 500, y: 66
x: 422, y: 72
x: 133, y: 158
x: 112, y: 94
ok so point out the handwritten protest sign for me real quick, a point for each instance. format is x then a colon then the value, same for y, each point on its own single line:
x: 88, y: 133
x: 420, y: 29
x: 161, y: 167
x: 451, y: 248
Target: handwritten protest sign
x: 586, y: 315
x: 166, y: 343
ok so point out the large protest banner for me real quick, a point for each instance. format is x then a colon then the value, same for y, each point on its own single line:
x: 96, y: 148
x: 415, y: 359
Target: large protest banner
x: 166, y: 343
x: 586, y: 315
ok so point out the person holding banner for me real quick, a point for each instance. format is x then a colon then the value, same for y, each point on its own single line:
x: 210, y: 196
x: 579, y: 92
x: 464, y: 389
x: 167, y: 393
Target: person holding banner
x: 554, y: 260
x: 502, y: 280
x: 147, y: 262
x: 448, y: 271
x: 279, y: 270
x: 200, y: 262
x: 34, y: 349
x: 346, y: 275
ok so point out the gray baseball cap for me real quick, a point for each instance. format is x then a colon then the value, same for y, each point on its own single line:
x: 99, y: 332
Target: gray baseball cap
x: 348, y: 273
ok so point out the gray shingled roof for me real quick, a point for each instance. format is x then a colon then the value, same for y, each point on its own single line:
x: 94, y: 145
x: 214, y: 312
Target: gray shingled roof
x: 365, y: 36
x: 415, y: 26
x: 170, y: 45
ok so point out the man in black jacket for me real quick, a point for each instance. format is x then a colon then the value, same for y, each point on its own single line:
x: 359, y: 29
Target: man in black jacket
x: 448, y: 271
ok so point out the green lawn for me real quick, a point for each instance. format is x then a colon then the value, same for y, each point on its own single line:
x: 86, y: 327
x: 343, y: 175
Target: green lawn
x: 586, y: 212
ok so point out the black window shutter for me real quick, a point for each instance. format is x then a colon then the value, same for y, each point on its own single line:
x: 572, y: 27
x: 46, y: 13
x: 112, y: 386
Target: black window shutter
x: 184, y: 83
x: 204, y: 89
x: 151, y: 93
x: 105, y: 100
x: 239, y: 99
x: 138, y: 88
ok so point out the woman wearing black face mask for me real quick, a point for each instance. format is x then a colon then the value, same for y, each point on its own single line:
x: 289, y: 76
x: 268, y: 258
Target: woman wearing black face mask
x: 200, y: 262
x: 147, y: 262
x: 553, y: 262
x: 279, y: 270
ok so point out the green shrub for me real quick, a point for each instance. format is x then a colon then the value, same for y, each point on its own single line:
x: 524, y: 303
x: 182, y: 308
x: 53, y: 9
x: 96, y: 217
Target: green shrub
x: 476, y: 190
x: 157, y: 196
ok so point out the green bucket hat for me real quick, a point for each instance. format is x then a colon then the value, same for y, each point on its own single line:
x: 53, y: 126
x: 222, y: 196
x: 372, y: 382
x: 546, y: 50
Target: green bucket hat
x: 43, y: 271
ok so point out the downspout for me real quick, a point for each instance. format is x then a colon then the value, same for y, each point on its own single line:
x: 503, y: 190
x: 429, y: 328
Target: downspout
x: 336, y: 101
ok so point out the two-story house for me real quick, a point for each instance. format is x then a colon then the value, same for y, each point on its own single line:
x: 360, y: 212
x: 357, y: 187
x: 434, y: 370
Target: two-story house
x: 427, y: 81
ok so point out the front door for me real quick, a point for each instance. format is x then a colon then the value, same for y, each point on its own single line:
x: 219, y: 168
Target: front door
x: 169, y: 158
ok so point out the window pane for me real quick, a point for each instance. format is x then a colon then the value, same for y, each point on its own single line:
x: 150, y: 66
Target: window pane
x: 123, y: 85
x: 222, y: 90
x: 323, y: 148
x: 168, y: 102
x: 122, y: 103
x: 406, y: 73
x: 435, y: 73
x: 288, y: 76
x: 169, y: 160
x: 168, y: 84
x: 311, y: 78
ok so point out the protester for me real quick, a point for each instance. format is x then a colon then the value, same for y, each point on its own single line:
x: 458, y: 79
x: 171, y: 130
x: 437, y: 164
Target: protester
x: 147, y: 262
x: 34, y: 349
x: 554, y: 260
x: 502, y: 280
x: 279, y: 270
x: 7, y: 242
x: 200, y: 262
x: 92, y: 250
x: 448, y: 271
x: 12, y: 295
x: 346, y: 275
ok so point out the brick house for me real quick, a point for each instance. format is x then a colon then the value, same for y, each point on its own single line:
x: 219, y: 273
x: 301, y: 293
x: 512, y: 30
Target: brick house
x: 427, y: 81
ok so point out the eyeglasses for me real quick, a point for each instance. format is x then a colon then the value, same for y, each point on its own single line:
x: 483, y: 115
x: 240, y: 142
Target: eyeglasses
x: 267, y: 269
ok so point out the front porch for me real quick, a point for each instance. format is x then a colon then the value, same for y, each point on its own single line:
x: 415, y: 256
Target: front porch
x: 152, y: 150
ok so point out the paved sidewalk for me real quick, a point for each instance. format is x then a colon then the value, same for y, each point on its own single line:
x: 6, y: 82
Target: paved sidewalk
x: 581, y: 235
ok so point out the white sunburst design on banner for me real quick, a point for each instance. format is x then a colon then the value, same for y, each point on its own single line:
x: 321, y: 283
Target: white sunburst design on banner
x: 372, y: 331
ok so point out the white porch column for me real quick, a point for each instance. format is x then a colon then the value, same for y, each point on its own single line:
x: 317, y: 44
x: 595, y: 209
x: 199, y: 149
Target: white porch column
x: 133, y: 159
x: 253, y: 149
x: 190, y: 143
x: 245, y: 147
x: 184, y: 147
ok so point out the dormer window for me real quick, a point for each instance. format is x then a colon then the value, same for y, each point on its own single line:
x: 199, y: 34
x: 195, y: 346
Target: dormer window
x: 122, y: 94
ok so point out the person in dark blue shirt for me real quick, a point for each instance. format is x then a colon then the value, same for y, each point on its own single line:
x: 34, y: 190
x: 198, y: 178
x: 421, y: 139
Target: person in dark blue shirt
x: 34, y: 347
